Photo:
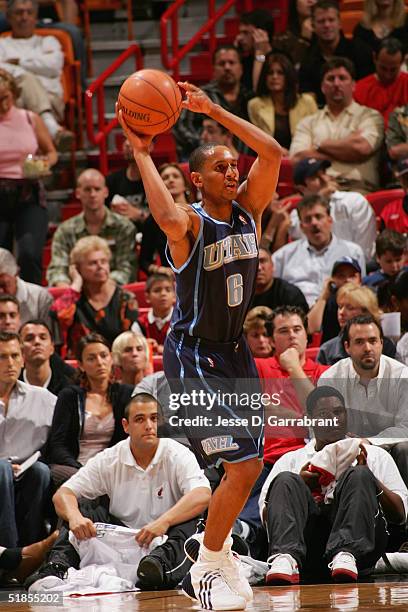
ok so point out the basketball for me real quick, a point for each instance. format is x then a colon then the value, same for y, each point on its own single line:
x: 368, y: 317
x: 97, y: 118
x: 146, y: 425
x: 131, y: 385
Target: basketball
x: 150, y: 101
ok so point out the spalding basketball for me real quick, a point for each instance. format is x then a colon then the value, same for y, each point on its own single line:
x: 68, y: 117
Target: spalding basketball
x: 150, y: 101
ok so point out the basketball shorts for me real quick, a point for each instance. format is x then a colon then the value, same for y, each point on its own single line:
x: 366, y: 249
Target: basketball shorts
x: 215, y: 397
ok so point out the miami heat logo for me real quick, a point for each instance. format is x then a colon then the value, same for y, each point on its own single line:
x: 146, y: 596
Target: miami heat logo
x: 242, y: 219
x: 160, y: 492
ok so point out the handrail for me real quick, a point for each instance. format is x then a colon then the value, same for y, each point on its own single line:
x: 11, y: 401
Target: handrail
x: 178, y: 54
x: 97, y: 87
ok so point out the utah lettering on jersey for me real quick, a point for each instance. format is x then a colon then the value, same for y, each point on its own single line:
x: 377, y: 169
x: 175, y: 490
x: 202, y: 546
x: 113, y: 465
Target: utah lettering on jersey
x: 231, y: 248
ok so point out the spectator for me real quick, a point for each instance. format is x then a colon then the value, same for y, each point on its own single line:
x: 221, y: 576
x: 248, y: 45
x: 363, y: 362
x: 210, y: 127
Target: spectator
x: 34, y: 301
x: 396, y: 136
x: 353, y: 216
x: 390, y: 253
x: 42, y: 366
x: 273, y: 292
x: 37, y: 63
x: 374, y: 387
x: 98, y: 220
x: 343, y: 132
x: 151, y: 464
x: 126, y: 189
x: 255, y: 331
x: 23, y: 214
x: 295, y: 40
x: 394, y: 215
x: 18, y: 563
x: 278, y: 107
x: 226, y: 90
x: 381, y: 20
x: 131, y: 355
x: 352, y: 300
x: 329, y: 42
x: 214, y: 132
x: 254, y: 41
x: 154, y: 240
x: 9, y: 313
x: 307, y: 262
x: 88, y: 416
x: 161, y: 296
x: 93, y: 302
x: 399, y: 297
x: 289, y: 374
x: 306, y: 529
x: 275, y: 224
x: 323, y: 315
x: 25, y: 420
x: 387, y: 87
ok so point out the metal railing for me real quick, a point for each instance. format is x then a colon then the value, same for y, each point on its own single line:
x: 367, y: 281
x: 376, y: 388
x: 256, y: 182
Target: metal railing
x: 172, y: 63
x: 104, y: 127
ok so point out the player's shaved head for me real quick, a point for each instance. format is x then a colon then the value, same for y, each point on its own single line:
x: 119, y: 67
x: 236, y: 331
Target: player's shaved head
x: 200, y: 155
x: 89, y: 174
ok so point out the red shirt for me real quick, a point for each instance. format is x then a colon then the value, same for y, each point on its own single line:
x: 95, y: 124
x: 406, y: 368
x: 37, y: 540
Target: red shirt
x: 394, y: 216
x: 151, y: 329
x: 271, y: 372
x: 383, y: 98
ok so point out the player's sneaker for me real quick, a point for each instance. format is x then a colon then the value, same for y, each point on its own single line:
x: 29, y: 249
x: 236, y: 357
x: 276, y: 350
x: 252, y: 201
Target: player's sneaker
x: 343, y: 567
x: 283, y: 569
x: 231, y: 564
x: 207, y: 584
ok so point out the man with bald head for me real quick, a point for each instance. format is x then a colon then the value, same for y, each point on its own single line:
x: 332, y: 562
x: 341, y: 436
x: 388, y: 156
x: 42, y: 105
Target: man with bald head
x: 96, y: 219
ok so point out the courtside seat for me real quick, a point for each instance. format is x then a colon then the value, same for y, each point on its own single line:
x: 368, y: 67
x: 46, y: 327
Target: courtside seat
x: 138, y: 289
x: 379, y: 199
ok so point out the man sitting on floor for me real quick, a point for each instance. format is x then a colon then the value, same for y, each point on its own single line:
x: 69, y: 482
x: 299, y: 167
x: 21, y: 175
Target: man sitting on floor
x: 309, y: 525
x: 154, y: 485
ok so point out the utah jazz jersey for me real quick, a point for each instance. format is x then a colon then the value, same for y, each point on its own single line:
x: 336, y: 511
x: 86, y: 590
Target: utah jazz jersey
x: 215, y: 285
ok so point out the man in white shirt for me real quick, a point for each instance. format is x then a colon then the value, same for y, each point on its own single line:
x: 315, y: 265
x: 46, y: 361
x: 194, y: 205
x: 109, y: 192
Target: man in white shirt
x: 25, y: 419
x: 37, y: 63
x: 347, y: 527
x: 353, y: 216
x: 306, y: 263
x: 153, y: 484
x: 375, y: 389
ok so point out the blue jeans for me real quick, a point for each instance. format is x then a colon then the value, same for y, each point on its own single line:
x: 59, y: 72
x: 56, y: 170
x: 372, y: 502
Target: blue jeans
x: 22, y: 504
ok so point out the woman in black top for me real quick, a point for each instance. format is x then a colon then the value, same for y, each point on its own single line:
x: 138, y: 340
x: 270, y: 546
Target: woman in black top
x: 88, y: 416
x: 382, y: 19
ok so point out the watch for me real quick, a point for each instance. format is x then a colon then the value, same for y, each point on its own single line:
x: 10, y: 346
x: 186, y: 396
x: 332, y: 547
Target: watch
x: 260, y: 57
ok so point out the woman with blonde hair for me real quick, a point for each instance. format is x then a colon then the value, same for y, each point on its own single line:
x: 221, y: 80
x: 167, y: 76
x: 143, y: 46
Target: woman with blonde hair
x: 382, y: 19
x: 131, y: 355
x: 352, y: 300
x: 93, y: 302
x: 256, y: 332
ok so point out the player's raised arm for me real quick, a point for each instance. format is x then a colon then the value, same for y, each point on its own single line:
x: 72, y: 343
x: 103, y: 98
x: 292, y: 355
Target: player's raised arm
x: 257, y: 191
x: 172, y: 219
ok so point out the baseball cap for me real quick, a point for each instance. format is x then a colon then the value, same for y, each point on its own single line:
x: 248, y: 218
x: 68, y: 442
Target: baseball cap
x: 308, y: 167
x: 402, y: 166
x: 350, y: 261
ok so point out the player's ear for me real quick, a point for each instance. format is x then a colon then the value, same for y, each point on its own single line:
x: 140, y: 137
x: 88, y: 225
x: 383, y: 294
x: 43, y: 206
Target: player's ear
x: 196, y: 179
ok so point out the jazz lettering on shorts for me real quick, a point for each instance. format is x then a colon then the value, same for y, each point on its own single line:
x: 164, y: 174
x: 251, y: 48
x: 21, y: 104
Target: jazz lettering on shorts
x: 217, y: 444
x: 231, y: 248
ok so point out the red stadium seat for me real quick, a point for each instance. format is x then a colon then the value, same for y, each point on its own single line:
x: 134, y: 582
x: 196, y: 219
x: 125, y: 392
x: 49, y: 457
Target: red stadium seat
x: 316, y: 340
x: 72, y: 362
x: 158, y: 363
x: 70, y: 210
x: 311, y: 353
x: 379, y: 199
x: 138, y: 289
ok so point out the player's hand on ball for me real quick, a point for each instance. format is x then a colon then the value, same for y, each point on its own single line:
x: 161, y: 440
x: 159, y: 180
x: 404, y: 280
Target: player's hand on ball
x: 138, y: 142
x: 196, y: 100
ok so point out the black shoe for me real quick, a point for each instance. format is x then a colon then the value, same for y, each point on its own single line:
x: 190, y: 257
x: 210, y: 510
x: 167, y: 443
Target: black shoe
x: 151, y: 572
x: 49, y: 569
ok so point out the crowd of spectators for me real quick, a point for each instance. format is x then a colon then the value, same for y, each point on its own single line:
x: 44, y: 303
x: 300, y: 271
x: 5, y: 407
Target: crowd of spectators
x: 328, y: 324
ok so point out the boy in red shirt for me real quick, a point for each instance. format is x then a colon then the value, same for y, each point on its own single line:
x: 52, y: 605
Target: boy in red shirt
x: 160, y: 294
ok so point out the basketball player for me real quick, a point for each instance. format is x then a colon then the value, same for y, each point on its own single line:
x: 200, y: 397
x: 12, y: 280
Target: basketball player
x: 213, y: 250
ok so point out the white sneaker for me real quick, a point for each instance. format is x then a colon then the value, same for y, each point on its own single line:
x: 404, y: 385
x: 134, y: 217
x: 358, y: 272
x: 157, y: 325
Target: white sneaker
x: 207, y: 583
x: 231, y: 566
x: 44, y: 584
x: 343, y: 567
x: 283, y: 569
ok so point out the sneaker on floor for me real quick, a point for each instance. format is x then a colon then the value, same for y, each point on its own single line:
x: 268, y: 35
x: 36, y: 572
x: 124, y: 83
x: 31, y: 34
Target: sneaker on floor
x: 32, y: 556
x: 64, y: 140
x: 283, y: 569
x: 151, y: 572
x: 53, y: 571
x: 207, y: 584
x: 343, y: 567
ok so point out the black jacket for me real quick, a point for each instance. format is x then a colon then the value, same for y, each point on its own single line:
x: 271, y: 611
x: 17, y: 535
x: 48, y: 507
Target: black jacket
x: 62, y: 374
x: 68, y: 422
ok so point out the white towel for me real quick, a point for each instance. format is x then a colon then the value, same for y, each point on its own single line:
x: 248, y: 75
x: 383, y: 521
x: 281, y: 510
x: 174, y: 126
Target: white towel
x: 332, y: 461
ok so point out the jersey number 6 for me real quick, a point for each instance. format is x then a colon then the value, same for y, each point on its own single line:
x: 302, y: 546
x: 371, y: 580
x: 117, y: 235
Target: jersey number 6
x: 235, y: 289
